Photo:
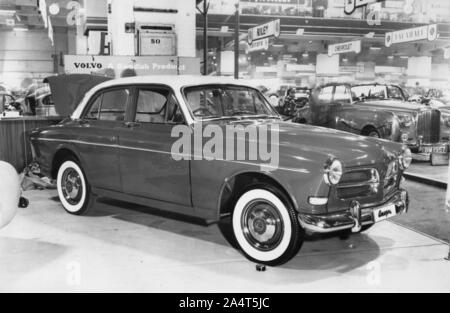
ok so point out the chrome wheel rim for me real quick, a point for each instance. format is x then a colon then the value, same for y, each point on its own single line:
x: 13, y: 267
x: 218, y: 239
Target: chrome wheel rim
x: 72, y: 186
x: 262, y: 225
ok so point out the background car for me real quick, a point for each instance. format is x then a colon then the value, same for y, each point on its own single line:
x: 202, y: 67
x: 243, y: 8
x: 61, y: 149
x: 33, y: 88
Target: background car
x: 380, y: 111
x: 9, y: 103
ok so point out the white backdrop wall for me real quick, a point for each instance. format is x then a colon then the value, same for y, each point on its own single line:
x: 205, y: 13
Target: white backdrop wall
x: 28, y: 55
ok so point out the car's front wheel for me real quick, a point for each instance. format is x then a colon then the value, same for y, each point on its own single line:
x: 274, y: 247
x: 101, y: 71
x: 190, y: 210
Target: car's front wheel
x: 73, y: 188
x: 265, y: 226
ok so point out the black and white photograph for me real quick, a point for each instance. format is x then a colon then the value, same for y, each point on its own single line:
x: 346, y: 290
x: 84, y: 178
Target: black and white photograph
x: 224, y: 153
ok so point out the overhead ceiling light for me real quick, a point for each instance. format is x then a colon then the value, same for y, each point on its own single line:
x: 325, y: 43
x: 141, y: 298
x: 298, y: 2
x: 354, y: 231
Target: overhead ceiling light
x: 345, y: 60
x: 20, y: 29
x: 305, y: 55
x: 7, y: 12
x: 375, y: 48
x: 390, y: 57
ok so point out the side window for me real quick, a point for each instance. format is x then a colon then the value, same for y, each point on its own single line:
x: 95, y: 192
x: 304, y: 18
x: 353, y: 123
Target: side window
x: 326, y: 94
x: 395, y: 93
x: 152, y: 105
x: 342, y: 94
x: 114, y: 104
x: 174, y: 114
x: 94, y: 111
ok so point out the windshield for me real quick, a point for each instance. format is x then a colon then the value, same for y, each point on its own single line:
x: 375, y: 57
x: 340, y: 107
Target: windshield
x: 226, y: 101
x: 377, y: 92
x: 301, y: 92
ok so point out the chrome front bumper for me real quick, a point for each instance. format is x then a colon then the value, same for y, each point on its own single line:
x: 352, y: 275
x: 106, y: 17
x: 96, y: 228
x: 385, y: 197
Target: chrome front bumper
x: 354, y: 218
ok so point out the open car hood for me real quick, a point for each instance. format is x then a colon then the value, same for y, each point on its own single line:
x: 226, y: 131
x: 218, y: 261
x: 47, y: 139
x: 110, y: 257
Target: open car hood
x: 69, y: 89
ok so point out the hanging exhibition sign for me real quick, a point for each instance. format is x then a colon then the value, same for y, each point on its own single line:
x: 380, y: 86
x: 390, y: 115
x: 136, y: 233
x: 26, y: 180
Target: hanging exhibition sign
x: 116, y: 65
x: 345, y: 47
x: 259, y: 45
x: 268, y: 30
x: 352, y: 5
x: 428, y: 32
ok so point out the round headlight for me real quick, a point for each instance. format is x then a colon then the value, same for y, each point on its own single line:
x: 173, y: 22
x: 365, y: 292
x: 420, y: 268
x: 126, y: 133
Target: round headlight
x: 333, y: 172
x: 406, y: 159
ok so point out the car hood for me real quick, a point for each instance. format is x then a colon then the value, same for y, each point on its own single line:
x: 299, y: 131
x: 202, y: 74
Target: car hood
x: 69, y: 89
x: 317, y: 145
x: 445, y: 109
x: 396, y: 105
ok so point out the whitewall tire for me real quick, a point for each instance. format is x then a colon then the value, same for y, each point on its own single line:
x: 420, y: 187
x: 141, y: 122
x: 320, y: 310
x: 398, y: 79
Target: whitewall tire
x: 265, y: 226
x: 73, y: 188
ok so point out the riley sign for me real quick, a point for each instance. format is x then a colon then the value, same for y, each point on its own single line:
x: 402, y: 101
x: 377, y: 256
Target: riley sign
x: 268, y: 30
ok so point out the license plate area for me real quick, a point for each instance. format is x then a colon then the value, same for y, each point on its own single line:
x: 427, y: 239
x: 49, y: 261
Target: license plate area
x: 442, y: 149
x: 384, y: 213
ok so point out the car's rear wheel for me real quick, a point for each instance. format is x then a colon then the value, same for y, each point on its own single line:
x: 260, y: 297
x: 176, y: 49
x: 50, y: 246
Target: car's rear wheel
x: 74, y: 190
x: 373, y: 133
x: 265, y: 226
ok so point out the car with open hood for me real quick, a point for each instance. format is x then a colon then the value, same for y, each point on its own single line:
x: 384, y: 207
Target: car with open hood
x: 380, y: 111
x: 123, y: 141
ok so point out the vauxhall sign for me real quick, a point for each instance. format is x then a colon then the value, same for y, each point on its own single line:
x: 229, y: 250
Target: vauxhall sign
x: 428, y: 32
x: 268, y: 30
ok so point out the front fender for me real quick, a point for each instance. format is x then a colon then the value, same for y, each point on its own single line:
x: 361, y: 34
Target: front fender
x: 357, y: 120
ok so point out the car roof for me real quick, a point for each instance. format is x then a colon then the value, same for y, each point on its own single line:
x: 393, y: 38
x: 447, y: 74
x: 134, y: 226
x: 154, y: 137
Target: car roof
x: 356, y: 84
x: 175, y: 82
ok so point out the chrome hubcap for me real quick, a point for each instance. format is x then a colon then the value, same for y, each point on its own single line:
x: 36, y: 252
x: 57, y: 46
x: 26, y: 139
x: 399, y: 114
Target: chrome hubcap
x: 72, y: 187
x: 262, y: 225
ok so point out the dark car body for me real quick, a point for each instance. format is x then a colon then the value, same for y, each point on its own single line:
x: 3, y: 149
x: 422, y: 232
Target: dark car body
x: 133, y: 163
x: 392, y: 117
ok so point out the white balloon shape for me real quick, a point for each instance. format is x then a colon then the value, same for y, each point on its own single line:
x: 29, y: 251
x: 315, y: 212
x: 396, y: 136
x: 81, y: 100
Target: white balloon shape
x: 9, y: 193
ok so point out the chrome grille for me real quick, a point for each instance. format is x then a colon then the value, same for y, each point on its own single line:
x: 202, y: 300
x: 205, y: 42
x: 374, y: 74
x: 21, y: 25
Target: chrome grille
x: 429, y: 126
x: 358, y: 183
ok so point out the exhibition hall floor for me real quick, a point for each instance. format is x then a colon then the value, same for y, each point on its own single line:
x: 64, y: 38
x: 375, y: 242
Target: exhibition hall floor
x: 134, y: 250
x: 429, y: 173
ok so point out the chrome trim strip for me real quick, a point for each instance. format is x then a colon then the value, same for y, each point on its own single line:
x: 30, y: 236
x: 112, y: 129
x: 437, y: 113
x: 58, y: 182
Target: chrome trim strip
x: 192, y: 157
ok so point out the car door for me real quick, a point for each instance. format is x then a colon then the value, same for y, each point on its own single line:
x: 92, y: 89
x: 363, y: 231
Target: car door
x: 346, y: 116
x: 320, y: 106
x: 98, y: 133
x: 147, y: 166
